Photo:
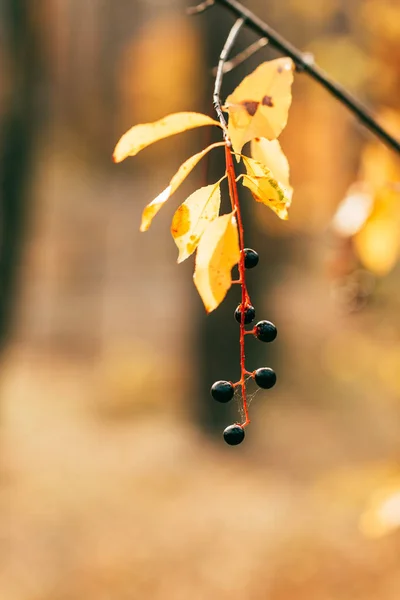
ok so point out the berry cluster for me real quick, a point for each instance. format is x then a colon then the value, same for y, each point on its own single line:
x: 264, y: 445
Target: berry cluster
x: 265, y: 331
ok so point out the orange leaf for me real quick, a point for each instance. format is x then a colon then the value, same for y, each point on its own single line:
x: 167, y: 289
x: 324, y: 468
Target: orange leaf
x: 260, y: 104
x: 141, y: 136
x: 192, y: 218
x: 152, y: 209
x: 270, y: 154
x: 265, y: 188
x: 217, y: 253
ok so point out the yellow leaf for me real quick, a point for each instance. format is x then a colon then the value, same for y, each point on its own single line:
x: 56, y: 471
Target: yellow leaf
x: 141, y: 136
x: 192, y: 218
x: 265, y: 188
x: 152, y: 209
x: 260, y: 104
x: 270, y: 154
x: 218, y: 252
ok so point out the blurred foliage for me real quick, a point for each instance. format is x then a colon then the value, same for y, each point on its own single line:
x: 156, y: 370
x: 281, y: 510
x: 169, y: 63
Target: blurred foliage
x: 370, y: 213
x: 155, y: 66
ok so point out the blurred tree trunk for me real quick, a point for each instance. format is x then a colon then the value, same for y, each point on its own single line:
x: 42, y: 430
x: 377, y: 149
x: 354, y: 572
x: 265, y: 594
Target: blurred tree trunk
x: 18, y: 121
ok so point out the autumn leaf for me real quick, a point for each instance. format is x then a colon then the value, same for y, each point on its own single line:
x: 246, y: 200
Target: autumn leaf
x: 193, y: 217
x: 152, y: 209
x: 260, y: 104
x: 141, y: 136
x: 217, y: 253
x: 265, y: 188
x: 270, y: 154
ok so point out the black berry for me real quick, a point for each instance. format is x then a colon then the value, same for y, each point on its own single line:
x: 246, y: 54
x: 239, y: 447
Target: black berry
x: 222, y: 391
x: 265, y: 331
x: 265, y: 378
x: 250, y: 258
x: 234, y: 435
x: 249, y: 314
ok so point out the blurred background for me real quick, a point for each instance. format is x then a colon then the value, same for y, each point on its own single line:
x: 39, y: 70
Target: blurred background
x: 115, y: 481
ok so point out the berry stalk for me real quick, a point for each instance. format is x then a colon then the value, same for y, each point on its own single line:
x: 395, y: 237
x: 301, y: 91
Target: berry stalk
x: 223, y: 391
x: 234, y: 196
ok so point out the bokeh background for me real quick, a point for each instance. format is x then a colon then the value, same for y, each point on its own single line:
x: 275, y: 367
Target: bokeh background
x: 115, y: 483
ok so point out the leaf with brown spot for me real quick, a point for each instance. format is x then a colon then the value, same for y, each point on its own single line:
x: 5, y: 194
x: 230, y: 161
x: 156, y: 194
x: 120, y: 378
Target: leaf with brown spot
x: 152, y: 209
x: 141, y: 136
x: 193, y: 217
x: 265, y: 188
x: 218, y: 252
x: 250, y: 107
x: 267, y: 101
x: 268, y: 89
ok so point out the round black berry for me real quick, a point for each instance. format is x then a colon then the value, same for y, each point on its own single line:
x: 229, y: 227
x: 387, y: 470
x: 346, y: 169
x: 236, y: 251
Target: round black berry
x: 265, y: 378
x: 250, y: 258
x: 249, y: 314
x: 265, y: 331
x: 222, y: 391
x: 234, y: 435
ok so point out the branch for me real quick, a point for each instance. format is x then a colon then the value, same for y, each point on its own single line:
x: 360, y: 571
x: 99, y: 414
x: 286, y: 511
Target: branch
x: 230, y: 40
x: 234, y: 197
x: 242, y: 56
x: 303, y: 63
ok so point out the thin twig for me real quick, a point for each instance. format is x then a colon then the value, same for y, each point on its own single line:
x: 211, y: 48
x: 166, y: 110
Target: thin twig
x: 234, y: 197
x: 303, y: 63
x: 199, y: 8
x: 230, y: 40
x: 242, y: 56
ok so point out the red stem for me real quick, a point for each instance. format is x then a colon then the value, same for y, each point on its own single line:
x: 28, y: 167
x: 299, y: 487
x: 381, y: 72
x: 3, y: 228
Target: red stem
x: 233, y: 193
